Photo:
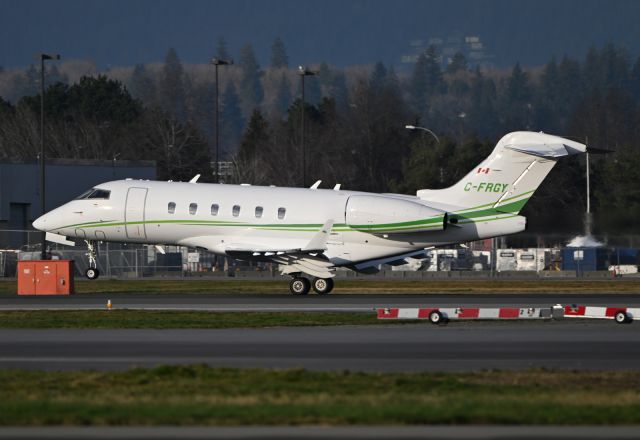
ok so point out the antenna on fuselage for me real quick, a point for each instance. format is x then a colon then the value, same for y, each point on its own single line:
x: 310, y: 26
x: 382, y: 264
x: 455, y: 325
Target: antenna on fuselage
x: 316, y: 185
x: 195, y: 178
x: 337, y: 187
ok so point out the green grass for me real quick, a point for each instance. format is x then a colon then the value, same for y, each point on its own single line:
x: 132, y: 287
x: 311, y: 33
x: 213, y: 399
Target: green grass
x: 200, y: 395
x: 178, y: 319
x: 239, y: 286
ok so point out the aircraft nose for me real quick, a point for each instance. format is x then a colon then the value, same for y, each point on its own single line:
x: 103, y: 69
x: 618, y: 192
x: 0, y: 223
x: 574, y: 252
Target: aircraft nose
x: 41, y: 223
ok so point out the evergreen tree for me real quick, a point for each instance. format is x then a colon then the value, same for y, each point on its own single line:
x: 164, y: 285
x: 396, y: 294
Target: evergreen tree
x: 142, y: 86
x: 251, y: 92
x: 253, y: 154
x: 102, y: 99
x: 339, y: 92
x: 221, y: 49
x: 5, y: 107
x: 518, y: 89
x: 458, y: 63
x: 517, y: 101
x: 483, y: 115
x: 593, y: 74
x: 231, y: 120
x: 279, y: 57
x: 378, y: 76
x: 30, y: 83
x: 53, y: 75
x: 548, y: 106
x: 283, y: 95
x: 172, y: 92
x: 325, y: 75
x: 392, y: 82
x: 570, y: 87
x: 418, y: 85
x: 312, y: 90
x: 434, y: 72
x: 635, y: 79
x: 615, y: 66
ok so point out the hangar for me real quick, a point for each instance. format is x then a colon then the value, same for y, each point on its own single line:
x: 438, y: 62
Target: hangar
x: 65, y: 179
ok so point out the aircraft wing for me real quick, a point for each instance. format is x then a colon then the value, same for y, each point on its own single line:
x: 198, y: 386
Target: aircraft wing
x: 309, y: 259
x: 371, y: 266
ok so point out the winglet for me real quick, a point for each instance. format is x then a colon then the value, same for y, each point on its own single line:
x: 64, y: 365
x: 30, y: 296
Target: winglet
x: 319, y: 241
x: 195, y: 178
x: 316, y: 185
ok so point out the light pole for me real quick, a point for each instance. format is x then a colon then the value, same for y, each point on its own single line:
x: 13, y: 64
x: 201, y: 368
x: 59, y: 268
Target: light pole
x: 218, y: 62
x: 303, y: 71
x: 413, y: 127
x: 43, y: 57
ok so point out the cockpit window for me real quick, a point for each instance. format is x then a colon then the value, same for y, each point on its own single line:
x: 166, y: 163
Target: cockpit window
x: 95, y: 193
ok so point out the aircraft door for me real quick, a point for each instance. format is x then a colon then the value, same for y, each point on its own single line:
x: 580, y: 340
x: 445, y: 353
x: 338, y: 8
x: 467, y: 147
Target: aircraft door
x: 134, y: 213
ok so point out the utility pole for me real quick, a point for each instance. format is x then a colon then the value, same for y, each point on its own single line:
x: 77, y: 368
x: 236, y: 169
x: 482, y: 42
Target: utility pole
x: 43, y: 57
x: 302, y: 71
x: 218, y: 62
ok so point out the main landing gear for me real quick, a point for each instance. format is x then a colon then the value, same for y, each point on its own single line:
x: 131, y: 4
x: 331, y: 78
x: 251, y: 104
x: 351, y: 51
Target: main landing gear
x: 301, y: 286
x: 92, y: 272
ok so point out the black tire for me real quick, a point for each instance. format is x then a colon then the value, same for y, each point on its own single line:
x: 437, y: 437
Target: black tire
x: 92, y: 273
x: 322, y: 286
x: 621, y: 317
x: 435, y: 317
x: 299, y: 286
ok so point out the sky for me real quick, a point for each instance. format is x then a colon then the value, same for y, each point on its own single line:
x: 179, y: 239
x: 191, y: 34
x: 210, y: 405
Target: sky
x: 340, y: 32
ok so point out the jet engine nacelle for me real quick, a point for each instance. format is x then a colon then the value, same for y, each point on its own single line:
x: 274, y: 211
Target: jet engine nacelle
x: 389, y: 215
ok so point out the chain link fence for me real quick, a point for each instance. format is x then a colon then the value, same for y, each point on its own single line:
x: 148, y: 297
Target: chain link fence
x: 521, y: 253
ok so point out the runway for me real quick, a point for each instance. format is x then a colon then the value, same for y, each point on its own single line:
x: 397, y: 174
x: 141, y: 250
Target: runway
x: 287, y: 302
x: 461, y: 346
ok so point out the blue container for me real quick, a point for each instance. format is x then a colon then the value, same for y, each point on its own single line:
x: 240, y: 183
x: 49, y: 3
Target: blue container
x: 593, y: 259
x: 624, y: 256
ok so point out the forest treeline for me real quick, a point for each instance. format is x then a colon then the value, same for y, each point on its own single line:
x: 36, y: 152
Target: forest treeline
x: 355, y: 123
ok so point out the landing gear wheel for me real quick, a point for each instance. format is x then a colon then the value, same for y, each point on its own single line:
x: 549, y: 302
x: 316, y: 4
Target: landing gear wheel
x: 435, y: 317
x: 92, y: 273
x: 621, y: 317
x: 299, y: 286
x: 322, y: 286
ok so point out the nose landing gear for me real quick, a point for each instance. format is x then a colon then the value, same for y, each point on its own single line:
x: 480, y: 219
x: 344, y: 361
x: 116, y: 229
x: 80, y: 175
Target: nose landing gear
x: 92, y: 272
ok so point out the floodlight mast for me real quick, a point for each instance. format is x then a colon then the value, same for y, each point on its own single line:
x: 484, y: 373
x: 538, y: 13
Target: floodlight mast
x: 43, y: 57
x: 218, y: 62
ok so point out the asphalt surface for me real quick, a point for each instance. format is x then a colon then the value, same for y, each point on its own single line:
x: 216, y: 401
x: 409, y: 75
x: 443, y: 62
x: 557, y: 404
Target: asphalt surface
x: 327, y: 432
x: 312, y: 302
x: 459, y: 346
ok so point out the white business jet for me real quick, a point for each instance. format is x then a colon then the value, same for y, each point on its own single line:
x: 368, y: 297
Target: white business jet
x: 312, y: 231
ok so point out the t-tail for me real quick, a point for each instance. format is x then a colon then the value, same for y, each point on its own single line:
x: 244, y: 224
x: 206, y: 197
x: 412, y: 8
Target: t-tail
x: 506, y: 180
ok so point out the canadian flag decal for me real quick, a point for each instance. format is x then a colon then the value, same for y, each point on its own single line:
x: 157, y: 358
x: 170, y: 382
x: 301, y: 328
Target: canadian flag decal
x: 483, y: 170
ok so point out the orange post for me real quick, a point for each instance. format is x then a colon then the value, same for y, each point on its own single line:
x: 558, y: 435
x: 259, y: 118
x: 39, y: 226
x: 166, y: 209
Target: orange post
x: 45, y: 277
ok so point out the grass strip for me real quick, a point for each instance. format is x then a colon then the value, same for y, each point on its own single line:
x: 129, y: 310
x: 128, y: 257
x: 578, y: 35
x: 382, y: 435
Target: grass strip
x: 201, y: 395
x: 178, y: 319
x: 239, y: 286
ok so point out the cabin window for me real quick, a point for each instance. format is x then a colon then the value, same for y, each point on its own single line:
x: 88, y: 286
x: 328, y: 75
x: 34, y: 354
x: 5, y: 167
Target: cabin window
x: 282, y: 212
x: 214, y: 209
x: 95, y: 193
x: 193, y: 208
x: 236, y: 210
x: 259, y: 211
x: 171, y: 208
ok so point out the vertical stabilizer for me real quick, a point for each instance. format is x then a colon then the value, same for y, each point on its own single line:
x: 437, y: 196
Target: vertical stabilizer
x: 506, y: 179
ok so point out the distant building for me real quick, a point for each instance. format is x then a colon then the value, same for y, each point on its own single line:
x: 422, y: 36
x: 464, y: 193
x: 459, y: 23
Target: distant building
x: 471, y: 46
x: 65, y: 179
